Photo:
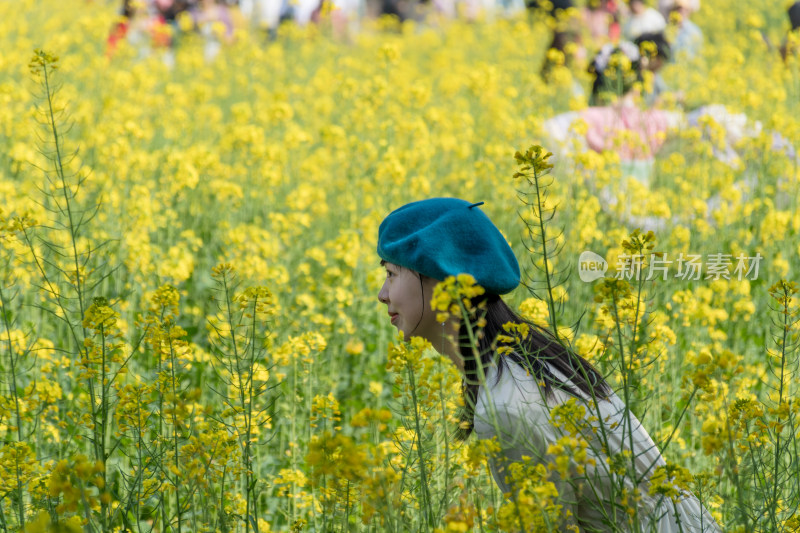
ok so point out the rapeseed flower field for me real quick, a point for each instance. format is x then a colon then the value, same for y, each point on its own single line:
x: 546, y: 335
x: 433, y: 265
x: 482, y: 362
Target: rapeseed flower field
x: 190, y: 336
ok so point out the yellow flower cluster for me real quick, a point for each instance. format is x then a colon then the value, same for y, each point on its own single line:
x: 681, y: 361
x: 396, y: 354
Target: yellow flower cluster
x: 78, y: 482
x: 513, y: 336
x: 535, y: 505
x: 534, y: 160
x: 452, y: 297
x: 671, y: 481
x: 325, y: 408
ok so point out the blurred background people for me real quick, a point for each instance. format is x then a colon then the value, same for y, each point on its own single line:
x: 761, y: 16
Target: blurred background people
x: 213, y: 21
x: 654, y: 53
x: 665, y: 7
x: 264, y: 14
x: 615, y: 120
x: 791, y: 43
x: 688, y: 38
x: 642, y: 19
x: 618, y: 123
x: 552, y: 7
x: 566, y: 47
x: 576, y: 24
x: 602, y: 20
x: 151, y: 26
x: 120, y: 28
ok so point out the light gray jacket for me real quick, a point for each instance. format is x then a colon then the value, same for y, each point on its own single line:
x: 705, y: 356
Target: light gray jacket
x: 515, y: 411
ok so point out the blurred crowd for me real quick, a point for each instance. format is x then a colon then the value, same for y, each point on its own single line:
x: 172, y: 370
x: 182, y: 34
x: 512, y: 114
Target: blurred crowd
x: 159, y: 24
x: 578, y: 25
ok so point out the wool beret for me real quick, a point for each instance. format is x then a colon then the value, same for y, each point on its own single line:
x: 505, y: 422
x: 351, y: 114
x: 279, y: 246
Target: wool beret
x: 441, y: 237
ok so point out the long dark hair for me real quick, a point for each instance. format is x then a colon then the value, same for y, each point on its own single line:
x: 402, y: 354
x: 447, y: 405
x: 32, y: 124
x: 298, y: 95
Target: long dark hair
x: 540, y: 353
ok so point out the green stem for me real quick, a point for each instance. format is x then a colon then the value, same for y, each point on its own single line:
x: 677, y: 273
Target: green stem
x: 251, y: 369
x: 477, y: 508
x: 347, y: 507
x: 50, y: 288
x: 104, y: 511
x: 175, y: 434
x: 162, y: 446
x: 426, y: 497
x: 292, y: 507
x: 60, y: 172
x: 680, y: 417
x: 443, y: 404
x: 540, y: 217
x: 140, y: 466
x: 734, y: 470
x: 774, y: 502
x: 17, y: 413
x: 221, y: 511
x: 248, y: 425
x: 3, y: 518
x: 21, y: 495
x: 626, y: 422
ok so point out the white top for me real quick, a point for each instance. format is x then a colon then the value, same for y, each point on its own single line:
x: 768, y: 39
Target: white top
x: 521, y: 420
x: 649, y: 21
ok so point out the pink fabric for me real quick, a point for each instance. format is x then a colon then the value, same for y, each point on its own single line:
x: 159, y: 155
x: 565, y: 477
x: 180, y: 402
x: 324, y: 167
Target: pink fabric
x: 611, y: 128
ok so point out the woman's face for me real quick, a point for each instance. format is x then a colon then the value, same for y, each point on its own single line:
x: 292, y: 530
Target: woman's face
x: 408, y: 302
x: 637, y: 6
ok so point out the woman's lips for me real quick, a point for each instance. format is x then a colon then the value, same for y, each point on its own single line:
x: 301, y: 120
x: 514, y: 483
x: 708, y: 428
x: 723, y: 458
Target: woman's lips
x: 393, y: 317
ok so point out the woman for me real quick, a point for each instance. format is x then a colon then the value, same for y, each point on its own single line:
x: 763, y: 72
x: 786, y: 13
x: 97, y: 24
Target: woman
x: 642, y: 19
x: 615, y: 121
x: 512, y: 396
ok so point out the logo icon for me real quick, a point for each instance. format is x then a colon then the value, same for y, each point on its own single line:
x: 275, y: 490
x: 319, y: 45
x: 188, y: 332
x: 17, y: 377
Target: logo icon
x: 591, y: 266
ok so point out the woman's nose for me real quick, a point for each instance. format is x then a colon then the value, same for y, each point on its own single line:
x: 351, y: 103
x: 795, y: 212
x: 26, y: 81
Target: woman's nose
x: 383, y: 295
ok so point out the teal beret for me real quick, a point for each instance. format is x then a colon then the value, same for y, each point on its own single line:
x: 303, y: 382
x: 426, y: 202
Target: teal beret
x: 442, y: 237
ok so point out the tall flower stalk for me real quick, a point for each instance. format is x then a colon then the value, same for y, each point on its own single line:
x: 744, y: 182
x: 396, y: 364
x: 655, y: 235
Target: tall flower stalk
x: 536, y: 213
x: 71, y: 272
x: 416, y: 414
x: 240, y: 337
